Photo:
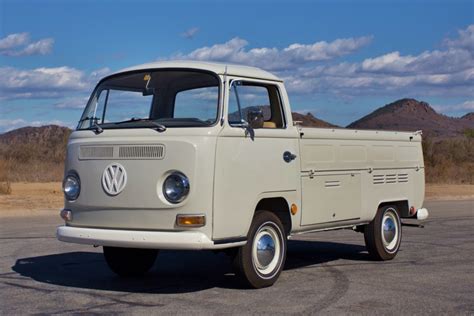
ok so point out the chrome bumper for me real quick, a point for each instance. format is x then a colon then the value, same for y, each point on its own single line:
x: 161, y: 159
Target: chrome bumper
x: 422, y: 214
x: 187, y: 240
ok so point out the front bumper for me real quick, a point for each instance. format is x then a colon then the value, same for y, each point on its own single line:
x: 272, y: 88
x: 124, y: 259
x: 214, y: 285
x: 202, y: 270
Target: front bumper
x: 183, y: 240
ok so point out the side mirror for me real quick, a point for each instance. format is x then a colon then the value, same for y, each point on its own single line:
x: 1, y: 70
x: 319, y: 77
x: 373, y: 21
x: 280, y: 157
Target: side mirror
x: 255, y: 118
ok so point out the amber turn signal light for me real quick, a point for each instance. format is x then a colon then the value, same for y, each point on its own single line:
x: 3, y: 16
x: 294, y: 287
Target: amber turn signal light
x: 294, y: 209
x: 190, y: 220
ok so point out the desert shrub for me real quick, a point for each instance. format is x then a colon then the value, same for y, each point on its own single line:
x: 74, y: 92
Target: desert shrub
x: 5, y: 186
x: 34, y: 154
x: 449, y: 160
x: 469, y: 132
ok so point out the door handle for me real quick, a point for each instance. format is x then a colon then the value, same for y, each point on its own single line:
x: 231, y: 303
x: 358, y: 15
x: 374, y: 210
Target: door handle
x: 288, y: 156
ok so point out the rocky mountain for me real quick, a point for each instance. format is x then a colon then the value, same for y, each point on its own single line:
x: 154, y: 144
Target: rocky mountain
x: 35, y: 143
x: 469, y: 117
x: 412, y: 115
x: 310, y: 120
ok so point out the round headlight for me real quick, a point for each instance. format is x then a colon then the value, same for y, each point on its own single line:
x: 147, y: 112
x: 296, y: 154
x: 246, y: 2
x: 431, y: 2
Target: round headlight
x: 71, y: 187
x: 176, y: 187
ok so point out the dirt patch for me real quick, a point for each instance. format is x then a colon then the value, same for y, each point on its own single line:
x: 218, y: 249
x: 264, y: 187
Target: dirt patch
x: 449, y: 192
x: 32, y: 198
x: 47, y: 198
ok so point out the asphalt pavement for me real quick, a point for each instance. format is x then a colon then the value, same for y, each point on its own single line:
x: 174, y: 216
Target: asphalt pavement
x: 326, y: 272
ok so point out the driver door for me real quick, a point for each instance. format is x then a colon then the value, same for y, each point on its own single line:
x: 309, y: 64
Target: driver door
x: 249, y: 161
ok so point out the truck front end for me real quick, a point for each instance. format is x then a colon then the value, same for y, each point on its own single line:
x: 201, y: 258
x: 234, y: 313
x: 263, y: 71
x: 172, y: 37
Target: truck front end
x: 139, y: 172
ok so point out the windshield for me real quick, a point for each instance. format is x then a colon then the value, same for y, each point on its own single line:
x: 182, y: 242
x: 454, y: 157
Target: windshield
x: 171, y: 98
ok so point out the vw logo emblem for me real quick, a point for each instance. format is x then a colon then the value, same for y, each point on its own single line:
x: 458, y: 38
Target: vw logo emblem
x: 114, y: 179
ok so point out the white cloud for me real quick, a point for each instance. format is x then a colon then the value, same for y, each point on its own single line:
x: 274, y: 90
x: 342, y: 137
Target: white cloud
x: 324, y: 50
x: 6, y: 124
x: 446, y: 72
x: 466, y: 106
x: 190, y: 33
x: 292, y: 56
x: 448, y: 61
x: 40, y: 82
x: 98, y: 74
x: 19, y: 44
x: 72, y: 103
x: 392, y: 61
x: 14, y: 40
x: 464, y: 40
x: 41, y: 47
x: 310, y: 68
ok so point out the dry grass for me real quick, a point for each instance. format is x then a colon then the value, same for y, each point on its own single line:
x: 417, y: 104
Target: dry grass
x: 33, y: 170
x: 5, y: 185
x: 33, y: 154
x: 449, y: 192
x: 449, y: 161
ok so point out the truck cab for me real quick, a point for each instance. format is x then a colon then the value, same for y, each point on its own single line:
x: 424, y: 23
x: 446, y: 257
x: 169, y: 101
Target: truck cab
x: 193, y: 155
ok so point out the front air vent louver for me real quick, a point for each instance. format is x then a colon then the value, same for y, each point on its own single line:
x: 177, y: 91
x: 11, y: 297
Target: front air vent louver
x: 390, y: 178
x: 142, y: 152
x: 121, y: 152
x: 96, y: 152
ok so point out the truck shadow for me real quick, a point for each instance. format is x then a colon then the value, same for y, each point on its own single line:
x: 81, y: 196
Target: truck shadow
x: 174, y: 271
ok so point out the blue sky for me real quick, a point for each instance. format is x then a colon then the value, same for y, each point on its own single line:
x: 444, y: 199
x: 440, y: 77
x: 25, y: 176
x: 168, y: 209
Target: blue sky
x: 340, y: 59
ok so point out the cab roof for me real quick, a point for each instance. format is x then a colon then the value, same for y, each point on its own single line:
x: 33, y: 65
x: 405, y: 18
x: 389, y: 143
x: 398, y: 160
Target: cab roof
x: 218, y: 68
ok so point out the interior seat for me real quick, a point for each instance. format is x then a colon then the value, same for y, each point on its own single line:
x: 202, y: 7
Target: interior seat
x: 269, y: 124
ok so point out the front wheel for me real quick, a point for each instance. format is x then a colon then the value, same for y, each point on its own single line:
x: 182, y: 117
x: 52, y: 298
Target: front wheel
x: 384, y: 234
x: 130, y: 261
x: 261, y: 260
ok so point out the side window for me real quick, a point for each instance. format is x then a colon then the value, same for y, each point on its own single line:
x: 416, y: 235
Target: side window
x: 235, y: 115
x: 245, y: 96
x: 95, y: 113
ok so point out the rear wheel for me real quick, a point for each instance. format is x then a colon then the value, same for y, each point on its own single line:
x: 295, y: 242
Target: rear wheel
x: 130, y: 261
x: 261, y: 260
x: 384, y: 234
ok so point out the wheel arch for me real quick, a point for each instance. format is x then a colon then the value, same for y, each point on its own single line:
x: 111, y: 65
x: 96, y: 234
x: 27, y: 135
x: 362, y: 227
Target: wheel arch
x: 280, y: 207
x: 403, y: 209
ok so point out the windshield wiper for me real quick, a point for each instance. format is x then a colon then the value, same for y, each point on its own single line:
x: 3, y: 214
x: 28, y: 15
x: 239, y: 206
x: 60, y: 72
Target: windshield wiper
x: 157, y: 126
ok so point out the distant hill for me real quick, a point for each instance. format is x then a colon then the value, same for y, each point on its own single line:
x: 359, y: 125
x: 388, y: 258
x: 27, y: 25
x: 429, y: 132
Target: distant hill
x: 311, y: 121
x: 412, y: 115
x: 469, y: 117
x: 45, y: 143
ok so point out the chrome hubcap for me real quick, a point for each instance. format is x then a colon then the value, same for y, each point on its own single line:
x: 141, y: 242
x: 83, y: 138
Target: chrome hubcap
x: 266, y: 250
x: 390, y: 231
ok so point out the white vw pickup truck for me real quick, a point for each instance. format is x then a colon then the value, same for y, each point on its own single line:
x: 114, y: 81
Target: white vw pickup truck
x: 194, y: 155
